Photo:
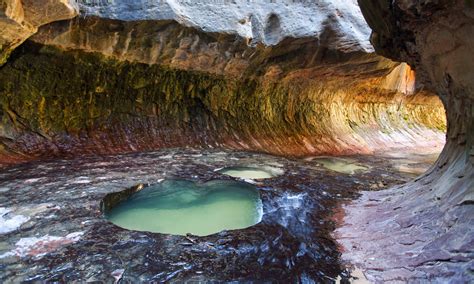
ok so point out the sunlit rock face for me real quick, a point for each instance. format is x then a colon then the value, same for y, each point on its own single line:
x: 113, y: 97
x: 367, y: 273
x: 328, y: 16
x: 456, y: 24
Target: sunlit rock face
x: 119, y: 106
x: 148, y: 84
x: 19, y: 19
x: 429, y: 221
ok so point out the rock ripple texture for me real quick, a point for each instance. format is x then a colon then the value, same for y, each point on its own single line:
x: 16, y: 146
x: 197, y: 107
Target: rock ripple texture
x: 428, y: 222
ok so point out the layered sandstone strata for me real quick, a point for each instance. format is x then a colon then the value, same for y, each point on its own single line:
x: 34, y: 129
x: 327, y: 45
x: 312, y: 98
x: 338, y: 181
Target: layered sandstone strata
x: 131, y: 76
x: 423, y: 230
x: 151, y: 84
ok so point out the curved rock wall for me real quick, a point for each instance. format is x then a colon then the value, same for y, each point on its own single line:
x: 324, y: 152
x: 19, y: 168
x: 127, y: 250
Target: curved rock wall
x: 433, y: 239
x: 146, y: 85
x: 243, y: 75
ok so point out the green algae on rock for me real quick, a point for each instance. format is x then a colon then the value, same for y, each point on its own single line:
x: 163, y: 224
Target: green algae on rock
x: 59, y: 102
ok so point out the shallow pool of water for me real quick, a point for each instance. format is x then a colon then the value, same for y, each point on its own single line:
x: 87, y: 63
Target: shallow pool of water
x: 180, y: 207
x: 251, y: 172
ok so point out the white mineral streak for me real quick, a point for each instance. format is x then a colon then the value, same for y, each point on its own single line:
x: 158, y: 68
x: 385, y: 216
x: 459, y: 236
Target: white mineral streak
x: 10, y: 222
x: 339, y: 23
x: 38, y: 247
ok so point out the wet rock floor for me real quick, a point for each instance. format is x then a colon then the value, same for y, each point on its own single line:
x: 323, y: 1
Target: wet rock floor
x: 52, y: 227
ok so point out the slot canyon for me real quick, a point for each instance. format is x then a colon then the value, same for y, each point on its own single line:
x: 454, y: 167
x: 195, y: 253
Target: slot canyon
x: 237, y: 141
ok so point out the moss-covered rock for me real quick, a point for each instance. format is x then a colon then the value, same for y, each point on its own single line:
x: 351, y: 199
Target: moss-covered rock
x: 68, y: 102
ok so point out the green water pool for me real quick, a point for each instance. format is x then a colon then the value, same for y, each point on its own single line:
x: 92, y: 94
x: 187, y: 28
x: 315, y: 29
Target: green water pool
x: 181, y: 206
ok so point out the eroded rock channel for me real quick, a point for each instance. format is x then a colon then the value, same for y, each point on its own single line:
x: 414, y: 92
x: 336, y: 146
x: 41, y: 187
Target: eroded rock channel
x: 60, y: 205
x: 317, y: 123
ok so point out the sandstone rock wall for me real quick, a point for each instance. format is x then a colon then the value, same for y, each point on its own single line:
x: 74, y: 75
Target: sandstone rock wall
x: 19, y: 19
x: 432, y: 239
x: 337, y: 23
x: 143, y: 85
